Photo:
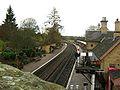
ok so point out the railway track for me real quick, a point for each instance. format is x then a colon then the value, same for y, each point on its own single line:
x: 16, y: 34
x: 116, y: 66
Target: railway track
x: 59, y: 69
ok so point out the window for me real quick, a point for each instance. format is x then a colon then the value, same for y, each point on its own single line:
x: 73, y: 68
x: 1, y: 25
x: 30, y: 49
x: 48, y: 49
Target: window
x: 91, y: 45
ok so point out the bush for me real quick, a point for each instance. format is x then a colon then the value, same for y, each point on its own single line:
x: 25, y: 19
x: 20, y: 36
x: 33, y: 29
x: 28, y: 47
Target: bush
x: 2, y: 45
x: 29, y: 52
x: 39, y: 54
x: 26, y: 61
x: 19, y: 66
x: 43, y: 52
x: 7, y: 55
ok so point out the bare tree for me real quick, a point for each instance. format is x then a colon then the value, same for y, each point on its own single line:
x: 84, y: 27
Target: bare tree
x: 54, y: 20
x: 53, y: 28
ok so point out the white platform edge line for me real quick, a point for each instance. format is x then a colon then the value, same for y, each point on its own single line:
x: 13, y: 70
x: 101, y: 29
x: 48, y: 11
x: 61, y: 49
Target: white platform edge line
x: 70, y: 76
x: 49, y: 60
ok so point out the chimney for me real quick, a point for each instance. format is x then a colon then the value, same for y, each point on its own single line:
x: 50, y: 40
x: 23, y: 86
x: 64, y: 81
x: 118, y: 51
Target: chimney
x: 117, y: 28
x: 104, y: 28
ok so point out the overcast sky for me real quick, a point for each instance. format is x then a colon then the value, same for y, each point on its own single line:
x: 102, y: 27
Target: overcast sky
x: 76, y: 15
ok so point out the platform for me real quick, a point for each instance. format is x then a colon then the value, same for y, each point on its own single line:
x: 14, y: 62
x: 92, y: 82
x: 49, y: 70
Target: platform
x: 77, y: 80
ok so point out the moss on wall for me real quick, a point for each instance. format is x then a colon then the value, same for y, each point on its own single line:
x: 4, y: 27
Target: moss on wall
x: 14, y: 79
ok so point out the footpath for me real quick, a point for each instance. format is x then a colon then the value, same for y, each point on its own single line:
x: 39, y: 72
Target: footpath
x: 77, y: 81
x: 36, y: 64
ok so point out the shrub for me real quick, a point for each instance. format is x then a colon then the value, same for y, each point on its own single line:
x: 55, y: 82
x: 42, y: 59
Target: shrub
x: 38, y: 54
x: 7, y: 54
x: 2, y: 45
x: 43, y: 52
x: 29, y: 52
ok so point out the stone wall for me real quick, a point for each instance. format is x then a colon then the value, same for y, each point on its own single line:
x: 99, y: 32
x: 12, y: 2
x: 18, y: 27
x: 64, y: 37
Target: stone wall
x: 112, y: 58
x: 14, y: 79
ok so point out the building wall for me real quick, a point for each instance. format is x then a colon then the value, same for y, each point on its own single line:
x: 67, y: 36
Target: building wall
x: 103, y: 29
x: 91, y: 45
x: 112, y: 58
x: 116, y: 34
x: 46, y: 48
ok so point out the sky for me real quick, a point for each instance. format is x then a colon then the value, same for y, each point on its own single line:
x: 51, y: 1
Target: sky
x: 76, y: 15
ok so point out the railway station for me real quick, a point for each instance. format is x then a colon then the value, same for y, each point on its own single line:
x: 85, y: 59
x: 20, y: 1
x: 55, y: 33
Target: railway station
x: 34, y: 57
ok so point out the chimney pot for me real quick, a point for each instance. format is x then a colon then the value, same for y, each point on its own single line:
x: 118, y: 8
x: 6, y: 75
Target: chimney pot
x: 117, y: 19
x: 103, y: 18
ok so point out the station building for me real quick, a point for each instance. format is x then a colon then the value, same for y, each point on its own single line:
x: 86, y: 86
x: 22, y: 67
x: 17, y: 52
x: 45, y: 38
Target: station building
x: 105, y: 45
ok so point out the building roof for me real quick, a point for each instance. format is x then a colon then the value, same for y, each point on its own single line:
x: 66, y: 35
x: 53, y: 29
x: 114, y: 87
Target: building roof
x: 97, y: 35
x: 104, y: 46
x: 92, y: 35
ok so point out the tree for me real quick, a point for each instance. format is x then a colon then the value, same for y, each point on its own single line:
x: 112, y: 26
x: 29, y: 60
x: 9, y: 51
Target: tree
x: 54, y: 18
x: 39, y: 39
x: 92, y: 28
x: 9, y: 25
x: 53, y: 36
x: 10, y: 20
x: 29, y: 23
x: 22, y: 40
x: 53, y: 28
x: 29, y: 27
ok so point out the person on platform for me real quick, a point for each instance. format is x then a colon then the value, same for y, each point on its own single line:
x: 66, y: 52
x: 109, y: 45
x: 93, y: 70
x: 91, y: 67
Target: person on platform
x: 77, y: 55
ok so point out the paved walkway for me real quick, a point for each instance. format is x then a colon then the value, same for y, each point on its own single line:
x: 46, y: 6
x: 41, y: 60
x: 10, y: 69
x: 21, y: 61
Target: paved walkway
x: 34, y: 65
x: 76, y: 81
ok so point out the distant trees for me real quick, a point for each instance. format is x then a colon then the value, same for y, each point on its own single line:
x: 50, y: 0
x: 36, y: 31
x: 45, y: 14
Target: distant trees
x: 92, y: 28
x: 28, y: 34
